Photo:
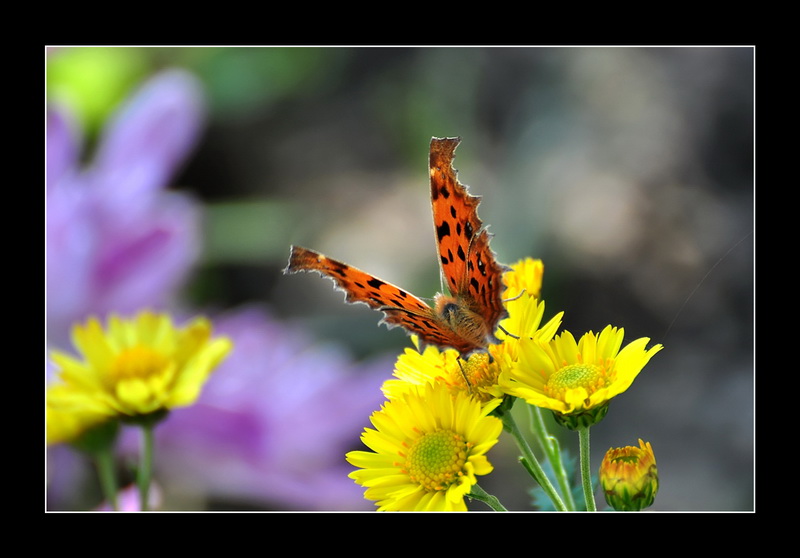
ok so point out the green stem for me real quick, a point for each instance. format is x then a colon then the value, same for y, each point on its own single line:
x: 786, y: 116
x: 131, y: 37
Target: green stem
x: 480, y: 494
x: 532, y: 464
x: 98, y: 443
x: 586, y: 473
x: 552, y: 448
x: 145, y: 465
x: 104, y: 460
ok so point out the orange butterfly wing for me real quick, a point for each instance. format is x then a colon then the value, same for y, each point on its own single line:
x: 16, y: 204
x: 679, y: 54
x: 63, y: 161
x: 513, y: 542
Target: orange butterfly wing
x: 468, y: 264
x: 466, y: 320
x: 399, y: 307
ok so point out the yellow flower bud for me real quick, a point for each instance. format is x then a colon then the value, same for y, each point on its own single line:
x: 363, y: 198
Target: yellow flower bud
x: 629, y: 477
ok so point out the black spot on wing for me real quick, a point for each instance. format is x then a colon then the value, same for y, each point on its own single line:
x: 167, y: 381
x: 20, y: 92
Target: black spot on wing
x: 375, y: 283
x: 338, y: 268
x: 443, y: 230
x: 426, y: 323
x: 481, y: 265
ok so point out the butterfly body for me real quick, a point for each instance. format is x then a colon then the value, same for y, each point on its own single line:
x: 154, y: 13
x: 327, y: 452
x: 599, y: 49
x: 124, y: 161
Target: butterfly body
x: 468, y: 324
x: 466, y: 318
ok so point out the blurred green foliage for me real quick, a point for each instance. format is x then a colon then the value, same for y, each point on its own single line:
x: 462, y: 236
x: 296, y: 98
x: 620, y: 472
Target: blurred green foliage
x: 240, y: 80
x: 92, y: 81
x: 245, y: 231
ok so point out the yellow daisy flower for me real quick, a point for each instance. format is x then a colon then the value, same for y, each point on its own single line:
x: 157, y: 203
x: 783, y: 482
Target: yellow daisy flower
x: 134, y: 368
x: 427, y: 448
x: 576, y: 380
x: 629, y: 477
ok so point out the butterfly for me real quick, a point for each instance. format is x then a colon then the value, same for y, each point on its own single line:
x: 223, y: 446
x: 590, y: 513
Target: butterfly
x: 467, y: 318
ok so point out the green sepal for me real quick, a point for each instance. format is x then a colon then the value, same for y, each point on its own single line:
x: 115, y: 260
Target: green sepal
x: 148, y: 420
x: 503, y: 409
x: 582, y: 419
x: 97, y: 439
x: 626, y: 499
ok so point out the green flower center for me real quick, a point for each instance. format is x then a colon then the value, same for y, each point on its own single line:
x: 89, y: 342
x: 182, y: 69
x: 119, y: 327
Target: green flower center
x: 437, y: 459
x: 587, y: 376
x: 137, y: 362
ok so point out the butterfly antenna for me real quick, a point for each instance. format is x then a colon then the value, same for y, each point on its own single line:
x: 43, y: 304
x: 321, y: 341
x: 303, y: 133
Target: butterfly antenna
x: 515, y: 297
x: 504, y: 330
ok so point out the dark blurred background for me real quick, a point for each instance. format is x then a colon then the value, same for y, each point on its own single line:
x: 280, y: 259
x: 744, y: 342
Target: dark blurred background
x: 628, y: 171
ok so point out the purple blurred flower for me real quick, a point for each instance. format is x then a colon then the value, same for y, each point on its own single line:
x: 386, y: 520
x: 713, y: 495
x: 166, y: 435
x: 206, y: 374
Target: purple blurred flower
x: 274, y: 421
x: 115, y: 239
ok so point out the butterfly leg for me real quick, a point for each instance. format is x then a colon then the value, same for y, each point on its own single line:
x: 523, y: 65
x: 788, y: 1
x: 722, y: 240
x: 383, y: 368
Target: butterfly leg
x: 464, y: 375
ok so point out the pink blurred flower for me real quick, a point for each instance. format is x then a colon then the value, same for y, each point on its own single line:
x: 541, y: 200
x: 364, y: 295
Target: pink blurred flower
x: 128, y: 499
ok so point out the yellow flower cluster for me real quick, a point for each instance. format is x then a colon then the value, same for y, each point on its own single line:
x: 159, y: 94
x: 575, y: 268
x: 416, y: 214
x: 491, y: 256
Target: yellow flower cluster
x: 420, y: 464
x: 432, y: 434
